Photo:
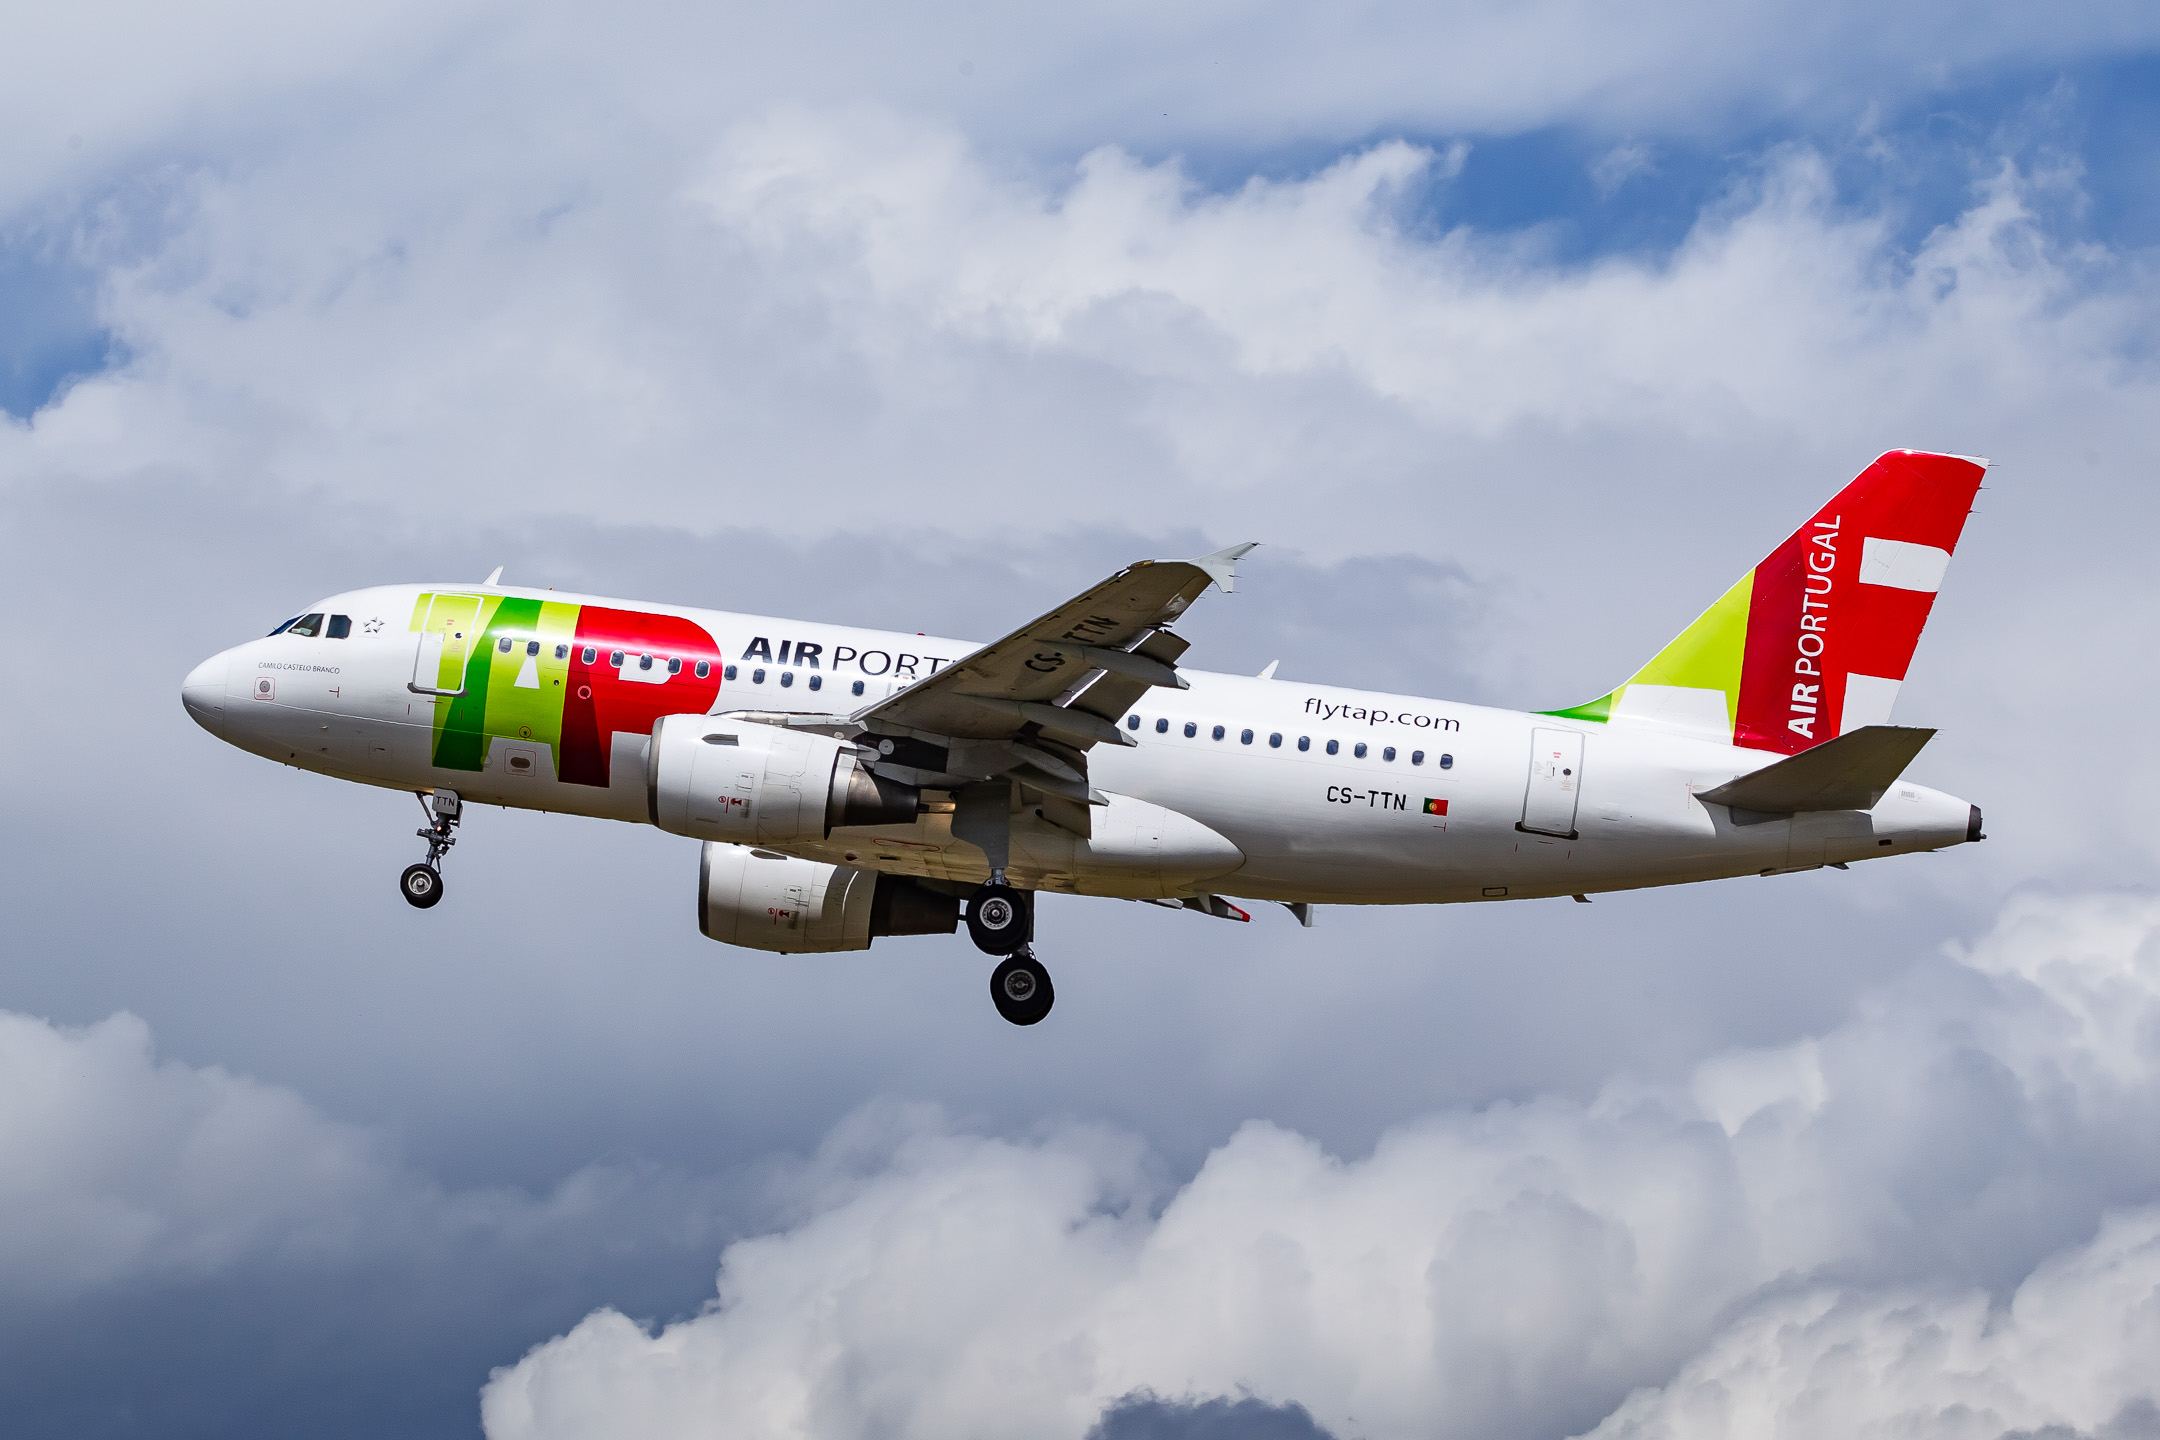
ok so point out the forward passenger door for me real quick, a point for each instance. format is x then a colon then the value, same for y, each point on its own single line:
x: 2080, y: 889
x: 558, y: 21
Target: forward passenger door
x: 447, y: 636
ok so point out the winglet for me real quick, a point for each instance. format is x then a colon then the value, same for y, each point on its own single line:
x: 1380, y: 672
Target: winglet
x: 1269, y: 673
x: 493, y: 576
x: 1222, y: 565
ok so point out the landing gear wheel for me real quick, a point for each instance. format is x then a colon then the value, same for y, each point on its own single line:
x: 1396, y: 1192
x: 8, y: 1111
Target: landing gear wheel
x: 1020, y: 988
x: 998, y: 920
x: 422, y: 886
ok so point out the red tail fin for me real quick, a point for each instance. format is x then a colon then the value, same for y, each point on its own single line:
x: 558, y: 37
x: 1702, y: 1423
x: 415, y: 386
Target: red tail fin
x: 1837, y: 609
x: 1814, y: 641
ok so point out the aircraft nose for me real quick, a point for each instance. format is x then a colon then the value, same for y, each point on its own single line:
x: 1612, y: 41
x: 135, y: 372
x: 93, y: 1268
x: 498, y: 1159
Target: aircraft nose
x: 203, y: 693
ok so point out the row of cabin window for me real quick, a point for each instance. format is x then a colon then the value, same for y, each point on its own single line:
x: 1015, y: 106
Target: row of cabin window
x: 787, y: 678
x: 1304, y: 742
x: 340, y: 626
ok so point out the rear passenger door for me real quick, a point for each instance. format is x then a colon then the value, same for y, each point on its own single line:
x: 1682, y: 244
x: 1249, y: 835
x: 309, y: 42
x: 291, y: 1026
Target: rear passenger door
x: 1555, y: 783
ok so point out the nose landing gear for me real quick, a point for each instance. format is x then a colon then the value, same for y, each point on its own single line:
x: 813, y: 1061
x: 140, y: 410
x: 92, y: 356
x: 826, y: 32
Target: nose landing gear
x: 1001, y: 921
x: 421, y: 884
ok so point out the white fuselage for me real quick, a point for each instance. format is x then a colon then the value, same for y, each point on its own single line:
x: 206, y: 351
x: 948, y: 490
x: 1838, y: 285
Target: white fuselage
x: 1432, y: 810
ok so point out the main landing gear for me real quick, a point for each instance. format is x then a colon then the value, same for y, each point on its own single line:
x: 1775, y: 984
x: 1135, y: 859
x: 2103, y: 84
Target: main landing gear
x: 1001, y: 921
x: 421, y: 884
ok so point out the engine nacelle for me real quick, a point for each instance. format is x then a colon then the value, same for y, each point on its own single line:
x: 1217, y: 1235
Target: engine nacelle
x: 770, y: 901
x: 719, y: 778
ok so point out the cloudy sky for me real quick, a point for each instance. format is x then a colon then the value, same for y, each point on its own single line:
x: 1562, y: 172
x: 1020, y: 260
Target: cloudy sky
x: 1513, y: 332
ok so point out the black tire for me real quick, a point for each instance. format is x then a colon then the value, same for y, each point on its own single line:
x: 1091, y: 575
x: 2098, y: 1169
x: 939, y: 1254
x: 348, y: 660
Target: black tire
x: 1020, y: 988
x: 1000, y: 920
x: 421, y: 885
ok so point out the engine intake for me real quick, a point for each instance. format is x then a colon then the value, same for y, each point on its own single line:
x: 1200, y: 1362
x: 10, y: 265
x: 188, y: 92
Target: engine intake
x: 769, y: 901
x: 718, y: 778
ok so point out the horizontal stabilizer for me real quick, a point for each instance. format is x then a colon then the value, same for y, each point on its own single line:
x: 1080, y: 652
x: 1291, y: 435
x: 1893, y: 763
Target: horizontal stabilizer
x: 1848, y: 773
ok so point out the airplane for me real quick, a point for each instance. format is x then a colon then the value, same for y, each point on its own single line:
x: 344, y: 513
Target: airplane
x: 851, y: 783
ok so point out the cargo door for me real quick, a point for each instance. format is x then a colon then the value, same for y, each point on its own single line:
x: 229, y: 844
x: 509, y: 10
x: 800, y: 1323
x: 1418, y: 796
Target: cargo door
x: 1555, y: 783
x: 447, y: 635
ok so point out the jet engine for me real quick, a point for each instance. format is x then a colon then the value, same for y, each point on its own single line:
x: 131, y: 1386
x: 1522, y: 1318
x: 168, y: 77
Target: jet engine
x: 770, y: 901
x: 719, y: 778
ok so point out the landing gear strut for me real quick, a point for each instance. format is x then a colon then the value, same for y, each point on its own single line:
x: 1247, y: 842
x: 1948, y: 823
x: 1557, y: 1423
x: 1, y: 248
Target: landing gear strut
x: 421, y: 884
x: 1001, y: 921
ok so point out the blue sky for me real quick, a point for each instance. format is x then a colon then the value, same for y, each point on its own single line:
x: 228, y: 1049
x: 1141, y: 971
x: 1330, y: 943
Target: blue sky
x: 1513, y: 334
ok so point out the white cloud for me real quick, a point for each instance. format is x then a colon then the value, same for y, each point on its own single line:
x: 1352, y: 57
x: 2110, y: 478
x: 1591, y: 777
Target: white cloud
x: 1621, y: 164
x: 1516, y: 1270
x: 861, y: 306
x: 119, y: 1171
x: 116, y: 1167
x: 2072, y: 1352
x: 92, y: 88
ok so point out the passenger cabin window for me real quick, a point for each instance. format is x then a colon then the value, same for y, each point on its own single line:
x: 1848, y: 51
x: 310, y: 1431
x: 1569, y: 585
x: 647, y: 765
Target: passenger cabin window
x: 674, y: 667
x: 1388, y: 754
x: 1244, y: 737
x: 1162, y: 726
x: 704, y: 668
x: 1191, y: 729
x: 562, y: 652
x: 1333, y: 746
x: 728, y: 674
x: 757, y: 676
x: 309, y: 625
x: 857, y: 690
x: 1447, y: 762
x: 503, y: 644
x: 1360, y: 751
x: 532, y: 647
x: 1132, y: 722
x: 1304, y: 742
x: 284, y: 627
x: 1218, y: 732
x: 588, y: 655
x: 615, y: 658
x: 340, y: 626
x: 817, y: 682
x: 1417, y: 757
x: 1274, y: 741
x: 787, y: 678
x: 644, y: 662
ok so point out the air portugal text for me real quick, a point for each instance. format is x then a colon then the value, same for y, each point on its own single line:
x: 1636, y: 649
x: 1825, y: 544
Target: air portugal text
x: 1813, y: 638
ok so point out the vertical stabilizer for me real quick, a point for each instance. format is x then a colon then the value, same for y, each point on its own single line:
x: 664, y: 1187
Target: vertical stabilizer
x: 1813, y: 642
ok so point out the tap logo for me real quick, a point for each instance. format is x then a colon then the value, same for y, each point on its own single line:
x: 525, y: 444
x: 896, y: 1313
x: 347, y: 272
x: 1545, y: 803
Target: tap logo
x: 561, y: 681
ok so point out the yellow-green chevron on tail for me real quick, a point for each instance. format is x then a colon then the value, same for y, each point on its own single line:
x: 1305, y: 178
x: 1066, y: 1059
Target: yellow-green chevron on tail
x: 1705, y: 657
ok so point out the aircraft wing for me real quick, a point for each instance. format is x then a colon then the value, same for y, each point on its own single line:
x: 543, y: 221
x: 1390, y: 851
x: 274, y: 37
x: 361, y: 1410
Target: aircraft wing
x: 1033, y: 703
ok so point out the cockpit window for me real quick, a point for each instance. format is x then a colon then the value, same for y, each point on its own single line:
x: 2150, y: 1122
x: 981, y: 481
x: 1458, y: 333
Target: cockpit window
x: 305, y: 625
x: 284, y: 627
x: 340, y: 626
